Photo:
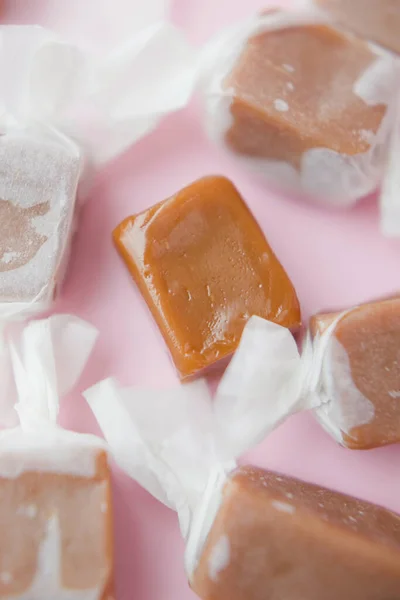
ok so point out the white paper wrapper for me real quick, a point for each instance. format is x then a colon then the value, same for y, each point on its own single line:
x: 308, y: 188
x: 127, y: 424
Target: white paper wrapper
x: 180, y: 444
x: 46, y: 359
x: 172, y: 443
x: 38, y: 187
x: 63, y: 113
x: 325, y: 175
x: 269, y: 368
x: 104, y: 104
x: 389, y: 195
x: 390, y: 192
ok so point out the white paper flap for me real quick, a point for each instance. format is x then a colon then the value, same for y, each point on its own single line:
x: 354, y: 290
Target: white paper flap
x: 105, y: 103
x: 171, y: 441
x: 261, y: 386
x: 164, y: 439
x: 47, y: 361
x: 180, y: 444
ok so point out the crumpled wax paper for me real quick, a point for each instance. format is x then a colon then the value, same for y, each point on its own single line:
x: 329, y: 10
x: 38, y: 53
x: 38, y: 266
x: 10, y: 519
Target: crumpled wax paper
x: 331, y: 178
x: 180, y: 444
x: 64, y: 112
x: 269, y: 368
x: 46, y: 358
x: 103, y: 103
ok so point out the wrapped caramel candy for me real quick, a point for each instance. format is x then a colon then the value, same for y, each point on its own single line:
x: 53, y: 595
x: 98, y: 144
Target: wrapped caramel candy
x: 377, y: 20
x: 361, y: 374
x: 249, y: 533
x: 65, y: 113
x: 56, y: 520
x: 55, y: 495
x: 204, y: 267
x: 307, y: 104
x: 38, y: 186
x: 278, y: 537
x: 348, y: 373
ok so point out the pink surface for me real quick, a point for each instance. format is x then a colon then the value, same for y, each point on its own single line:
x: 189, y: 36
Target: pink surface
x: 334, y: 260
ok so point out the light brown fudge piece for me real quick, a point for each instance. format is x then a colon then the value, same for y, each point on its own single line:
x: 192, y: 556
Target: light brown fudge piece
x: 38, y: 186
x: 377, y: 20
x: 204, y: 268
x: 361, y: 373
x: 293, y: 91
x: 278, y: 538
x: 56, y: 534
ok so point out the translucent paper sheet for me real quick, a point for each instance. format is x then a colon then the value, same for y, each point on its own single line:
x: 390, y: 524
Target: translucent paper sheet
x: 325, y: 175
x: 179, y: 444
x: 64, y: 112
x: 45, y: 361
x: 46, y: 358
x: 104, y: 103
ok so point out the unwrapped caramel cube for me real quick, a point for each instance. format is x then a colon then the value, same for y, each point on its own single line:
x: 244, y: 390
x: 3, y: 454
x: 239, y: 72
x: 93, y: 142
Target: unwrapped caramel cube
x: 377, y: 20
x: 278, y: 538
x: 307, y: 105
x: 204, y: 268
x: 361, y: 374
x: 38, y: 186
x: 55, y: 519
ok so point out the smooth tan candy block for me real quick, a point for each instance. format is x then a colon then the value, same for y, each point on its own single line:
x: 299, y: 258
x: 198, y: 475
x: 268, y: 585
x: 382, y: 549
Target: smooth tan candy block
x: 38, y: 184
x: 278, y: 538
x: 300, y: 101
x: 377, y: 20
x: 361, y: 374
x: 204, y: 267
x: 56, y: 535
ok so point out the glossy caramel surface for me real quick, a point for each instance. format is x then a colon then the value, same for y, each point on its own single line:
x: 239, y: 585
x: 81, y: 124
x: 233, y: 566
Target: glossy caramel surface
x: 204, y: 267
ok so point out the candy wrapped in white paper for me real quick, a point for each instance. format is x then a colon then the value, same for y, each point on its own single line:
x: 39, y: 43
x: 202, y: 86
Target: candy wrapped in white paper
x: 242, y: 526
x: 348, y: 372
x: 54, y: 483
x: 38, y: 186
x: 269, y: 368
x: 63, y: 113
x: 181, y: 444
x: 321, y: 130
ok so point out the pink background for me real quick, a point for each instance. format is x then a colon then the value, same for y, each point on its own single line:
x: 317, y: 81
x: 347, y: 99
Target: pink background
x: 334, y: 260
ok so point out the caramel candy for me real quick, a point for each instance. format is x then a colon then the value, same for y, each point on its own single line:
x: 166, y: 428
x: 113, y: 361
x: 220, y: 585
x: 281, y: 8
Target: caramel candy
x: 204, y: 267
x: 55, y: 523
x: 361, y: 374
x: 38, y: 184
x: 377, y: 20
x: 278, y: 538
x: 306, y: 104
